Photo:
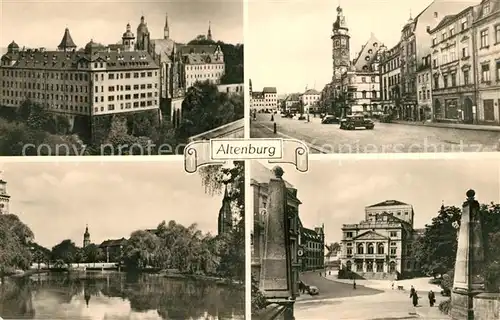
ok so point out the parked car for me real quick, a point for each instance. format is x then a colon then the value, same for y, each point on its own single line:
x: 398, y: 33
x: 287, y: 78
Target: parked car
x: 312, y: 290
x: 330, y: 119
x: 352, y: 122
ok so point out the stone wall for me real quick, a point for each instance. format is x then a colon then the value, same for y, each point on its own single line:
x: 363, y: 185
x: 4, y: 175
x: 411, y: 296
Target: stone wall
x: 487, y: 306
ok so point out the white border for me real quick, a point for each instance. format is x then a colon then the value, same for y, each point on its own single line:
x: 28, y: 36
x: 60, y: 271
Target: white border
x: 405, y: 156
x: 92, y: 159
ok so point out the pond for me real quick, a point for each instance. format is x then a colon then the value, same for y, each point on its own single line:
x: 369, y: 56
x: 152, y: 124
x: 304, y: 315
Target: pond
x: 119, y: 296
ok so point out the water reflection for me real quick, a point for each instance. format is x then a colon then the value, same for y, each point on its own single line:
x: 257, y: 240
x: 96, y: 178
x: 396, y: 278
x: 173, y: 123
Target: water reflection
x: 112, y: 295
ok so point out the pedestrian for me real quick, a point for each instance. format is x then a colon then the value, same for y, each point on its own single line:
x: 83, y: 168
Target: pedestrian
x: 414, y: 296
x: 432, y: 298
x: 354, y: 285
x: 392, y: 285
x: 320, y: 274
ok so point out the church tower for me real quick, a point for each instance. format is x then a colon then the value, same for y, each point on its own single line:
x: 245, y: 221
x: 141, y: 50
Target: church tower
x: 166, y: 29
x: 142, y: 42
x: 340, y: 42
x: 4, y: 197
x: 209, y: 34
x: 86, y: 237
x: 225, y: 221
x: 128, y: 39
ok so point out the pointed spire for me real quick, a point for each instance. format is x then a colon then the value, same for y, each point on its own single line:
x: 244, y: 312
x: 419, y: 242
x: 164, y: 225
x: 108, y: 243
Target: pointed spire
x: 209, y: 34
x: 166, y: 29
x: 66, y: 42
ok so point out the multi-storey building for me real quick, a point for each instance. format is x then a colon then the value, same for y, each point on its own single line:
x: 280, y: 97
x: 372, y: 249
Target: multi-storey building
x: 292, y: 101
x: 267, y: 99
x: 487, y: 53
x: 89, y: 82
x: 390, y: 80
x: 113, y: 249
x: 424, y: 90
x: 313, y: 242
x: 4, y: 197
x: 453, y: 87
x: 379, y: 246
x: 260, y: 177
x: 202, y: 63
x: 415, y: 44
x: 309, y: 100
x: 363, y: 91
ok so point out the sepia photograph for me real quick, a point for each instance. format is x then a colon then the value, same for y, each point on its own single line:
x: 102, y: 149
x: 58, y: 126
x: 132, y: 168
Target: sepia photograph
x: 119, y: 77
x: 121, y: 240
x: 366, y: 76
x: 383, y: 239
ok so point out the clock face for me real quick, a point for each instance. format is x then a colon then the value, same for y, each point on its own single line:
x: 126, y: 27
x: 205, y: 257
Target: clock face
x: 343, y: 52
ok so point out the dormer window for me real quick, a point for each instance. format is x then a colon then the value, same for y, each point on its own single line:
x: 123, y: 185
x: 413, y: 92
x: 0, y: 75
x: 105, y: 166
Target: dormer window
x: 486, y: 8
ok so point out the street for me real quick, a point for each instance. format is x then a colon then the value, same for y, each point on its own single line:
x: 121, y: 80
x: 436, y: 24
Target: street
x: 384, y: 138
x: 340, y: 301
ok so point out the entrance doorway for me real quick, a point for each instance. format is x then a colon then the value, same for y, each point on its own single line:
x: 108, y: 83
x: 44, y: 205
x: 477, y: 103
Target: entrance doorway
x: 468, y: 114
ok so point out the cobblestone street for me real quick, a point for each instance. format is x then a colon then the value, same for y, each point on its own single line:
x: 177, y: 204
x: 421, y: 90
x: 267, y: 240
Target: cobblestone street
x: 384, y: 138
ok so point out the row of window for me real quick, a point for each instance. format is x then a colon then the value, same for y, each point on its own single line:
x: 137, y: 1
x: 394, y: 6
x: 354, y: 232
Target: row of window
x: 204, y: 75
x: 125, y: 75
x: 127, y: 96
x: 205, y: 67
x: 71, y: 76
x: 446, y: 34
x: 391, y: 65
x: 424, y: 94
x: 44, y: 86
x: 127, y: 87
x: 484, y: 39
x: 65, y: 107
x: 360, y: 249
x: 127, y: 105
x: 45, y: 96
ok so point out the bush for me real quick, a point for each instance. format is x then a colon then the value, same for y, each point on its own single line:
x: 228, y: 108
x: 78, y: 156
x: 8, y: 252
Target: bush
x: 258, y: 299
x: 445, y: 306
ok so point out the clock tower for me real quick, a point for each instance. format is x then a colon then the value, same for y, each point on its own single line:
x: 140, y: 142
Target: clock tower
x: 340, y: 44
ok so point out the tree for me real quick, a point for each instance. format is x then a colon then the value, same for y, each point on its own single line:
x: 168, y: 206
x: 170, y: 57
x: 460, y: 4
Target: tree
x: 140, y: 249
x: 91, y: 253
x: 40, y: 254
x: 65, y: 251
x: 205, y: 108
x: 15, y: 240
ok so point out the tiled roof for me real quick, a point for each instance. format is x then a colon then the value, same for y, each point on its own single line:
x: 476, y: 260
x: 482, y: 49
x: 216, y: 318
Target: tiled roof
x: 198, y: 49
x: 164, y: 47
x: 67, y: 41
x: 113, y: 243
x: 311, y: 92
x: 447, y: 19
x: 269, y: 90
x: 58, y: 60
x: 197, y: 58
x: 388, y: 203
x: 257, y: 95
x: 310, y: 234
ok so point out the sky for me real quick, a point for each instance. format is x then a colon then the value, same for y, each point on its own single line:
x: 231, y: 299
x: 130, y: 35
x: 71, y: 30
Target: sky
x: 290, y: 46
x: 27, y: 22
x: 57, y: 200
x: 336, y: 192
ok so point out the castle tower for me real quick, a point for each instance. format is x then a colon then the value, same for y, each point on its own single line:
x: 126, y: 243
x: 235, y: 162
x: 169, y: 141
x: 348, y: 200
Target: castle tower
x: 128, y: 39
x: 142, y: 42
x: 67, y: 43
x: 166, y: 29
x: 209, y: 34
x: 340, y: 46
x: 4, y: 197
x: 86, y: 237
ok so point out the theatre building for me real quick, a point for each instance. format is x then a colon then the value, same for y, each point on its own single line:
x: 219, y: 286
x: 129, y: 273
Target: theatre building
x: 379, y: 247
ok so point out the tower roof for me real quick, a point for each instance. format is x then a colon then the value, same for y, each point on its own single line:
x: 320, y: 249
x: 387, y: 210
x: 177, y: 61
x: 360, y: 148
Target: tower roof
x: 13, y: 45
x: 128, y: 34
x: 67, y: 41
x: 142, y: 27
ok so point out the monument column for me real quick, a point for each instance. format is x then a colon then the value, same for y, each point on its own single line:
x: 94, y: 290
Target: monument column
x: 276, y: 273
x: 468, y: 280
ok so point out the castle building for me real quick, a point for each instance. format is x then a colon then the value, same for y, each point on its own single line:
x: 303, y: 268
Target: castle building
x: 4, y: 197
x: 379, y: 247
x: 86, y: 237
x: 96, y: 80
x: 310, y: 99
x: 202, y: 63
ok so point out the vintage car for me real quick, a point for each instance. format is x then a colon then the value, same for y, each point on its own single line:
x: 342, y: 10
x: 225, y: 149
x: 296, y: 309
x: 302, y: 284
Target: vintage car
x: 352, y: 122
x: 329, y: 120
x: 312, y: 290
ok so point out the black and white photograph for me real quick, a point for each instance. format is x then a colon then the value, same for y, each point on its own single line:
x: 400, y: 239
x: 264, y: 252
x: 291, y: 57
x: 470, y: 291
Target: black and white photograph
x: 366, y: 76
x: 382, y: 239
x: 121, y: 240
x: 119, y: 77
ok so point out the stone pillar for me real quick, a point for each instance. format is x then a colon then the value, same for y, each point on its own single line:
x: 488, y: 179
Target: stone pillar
x: 468, y: 280
x: 276, y: 273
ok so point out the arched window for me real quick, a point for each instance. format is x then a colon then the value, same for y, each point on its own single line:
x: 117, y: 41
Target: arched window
x: 360, y: 248
x: 371, y: 248
x: 392, y: 266
x: 380, y: 248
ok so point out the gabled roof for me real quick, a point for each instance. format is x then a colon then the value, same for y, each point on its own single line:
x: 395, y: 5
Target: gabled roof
x: 311, y: 91
x: 67, y: 41
x: 113, y: 242
x: 198, y: 49
x: 269, y: 90
x: 388, y: 203
x: 447, y: 19
x: 371, y: 235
